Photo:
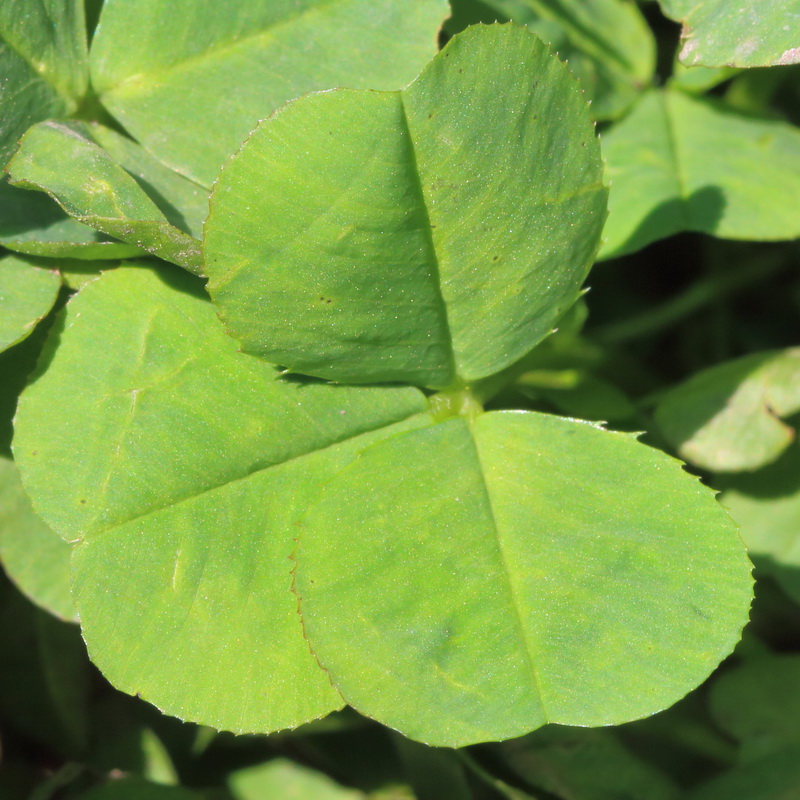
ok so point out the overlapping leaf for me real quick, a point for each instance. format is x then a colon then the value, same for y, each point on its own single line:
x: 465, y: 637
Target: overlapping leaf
x: 606, y: 43
x: 94, y: 189
x: 737, y: 33
x: 190, y: 80
x: 431, y: 236
x: 731, y: 417
x: 33, y: 224
x: 27, y: 293
x: 183, y: 466
x: 679, y: 163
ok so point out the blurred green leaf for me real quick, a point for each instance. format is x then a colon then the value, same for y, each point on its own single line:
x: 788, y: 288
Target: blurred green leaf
x: 730, y: 417
x: 758, y: 703
x: 737, y: 33
x: 288, y: 781
x: 580, y: 764
x: 775, y: 777
x: 44, y: 676
x: 136, y: 788
x: 679, y: 163
x: 766, y: 504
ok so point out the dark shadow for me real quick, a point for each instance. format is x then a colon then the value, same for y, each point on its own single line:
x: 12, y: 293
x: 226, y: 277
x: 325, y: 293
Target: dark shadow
x: 700, y: 212
x: 175, y: 277
x: 174, y: 217
x: 23, y: 211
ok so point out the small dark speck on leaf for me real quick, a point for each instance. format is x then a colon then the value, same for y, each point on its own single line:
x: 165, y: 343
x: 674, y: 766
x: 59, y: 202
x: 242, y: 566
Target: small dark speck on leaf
x: 460, y: 71
x: 496, y: 258
x: 430, y: 115
x: 35, y: 453
x: 83, y: 502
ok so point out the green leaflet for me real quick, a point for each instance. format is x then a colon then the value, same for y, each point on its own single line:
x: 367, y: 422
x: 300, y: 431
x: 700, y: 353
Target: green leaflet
x: 94, y: 189
x: 190, y: 80
x: 680, y: 163
x: 27, y: 293
x: 282, y: 778
x: 429, y: 236
x: 737, y: 33
x: 502, y: 578
x: 31, y: 554
x: 183, y: 465
x: 729, y: 418
x: 43, y: 64
x: 606, y: 43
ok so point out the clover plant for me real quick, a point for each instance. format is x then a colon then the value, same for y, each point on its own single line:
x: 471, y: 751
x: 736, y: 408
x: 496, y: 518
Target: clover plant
x: 307, y: 412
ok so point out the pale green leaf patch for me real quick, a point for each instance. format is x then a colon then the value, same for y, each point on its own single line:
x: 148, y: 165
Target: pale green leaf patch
x: 27, y: 293
x: 283, y: 778
x: 731, y: 417
x: 430, y: 236
x: 189, y: 80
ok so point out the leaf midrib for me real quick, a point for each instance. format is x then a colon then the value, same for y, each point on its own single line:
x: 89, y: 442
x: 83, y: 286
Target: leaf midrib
x: 672, y: 146
x: 437, y: 275
x: 97, y: 532
x: 512, y: 590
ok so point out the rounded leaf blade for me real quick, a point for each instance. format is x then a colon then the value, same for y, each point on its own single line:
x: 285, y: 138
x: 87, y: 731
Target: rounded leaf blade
x: 502, y: 579
x: 428, y: 235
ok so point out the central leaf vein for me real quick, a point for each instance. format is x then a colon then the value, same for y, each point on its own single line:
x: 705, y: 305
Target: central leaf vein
x: 512, y: 589
x: 435, y: 267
